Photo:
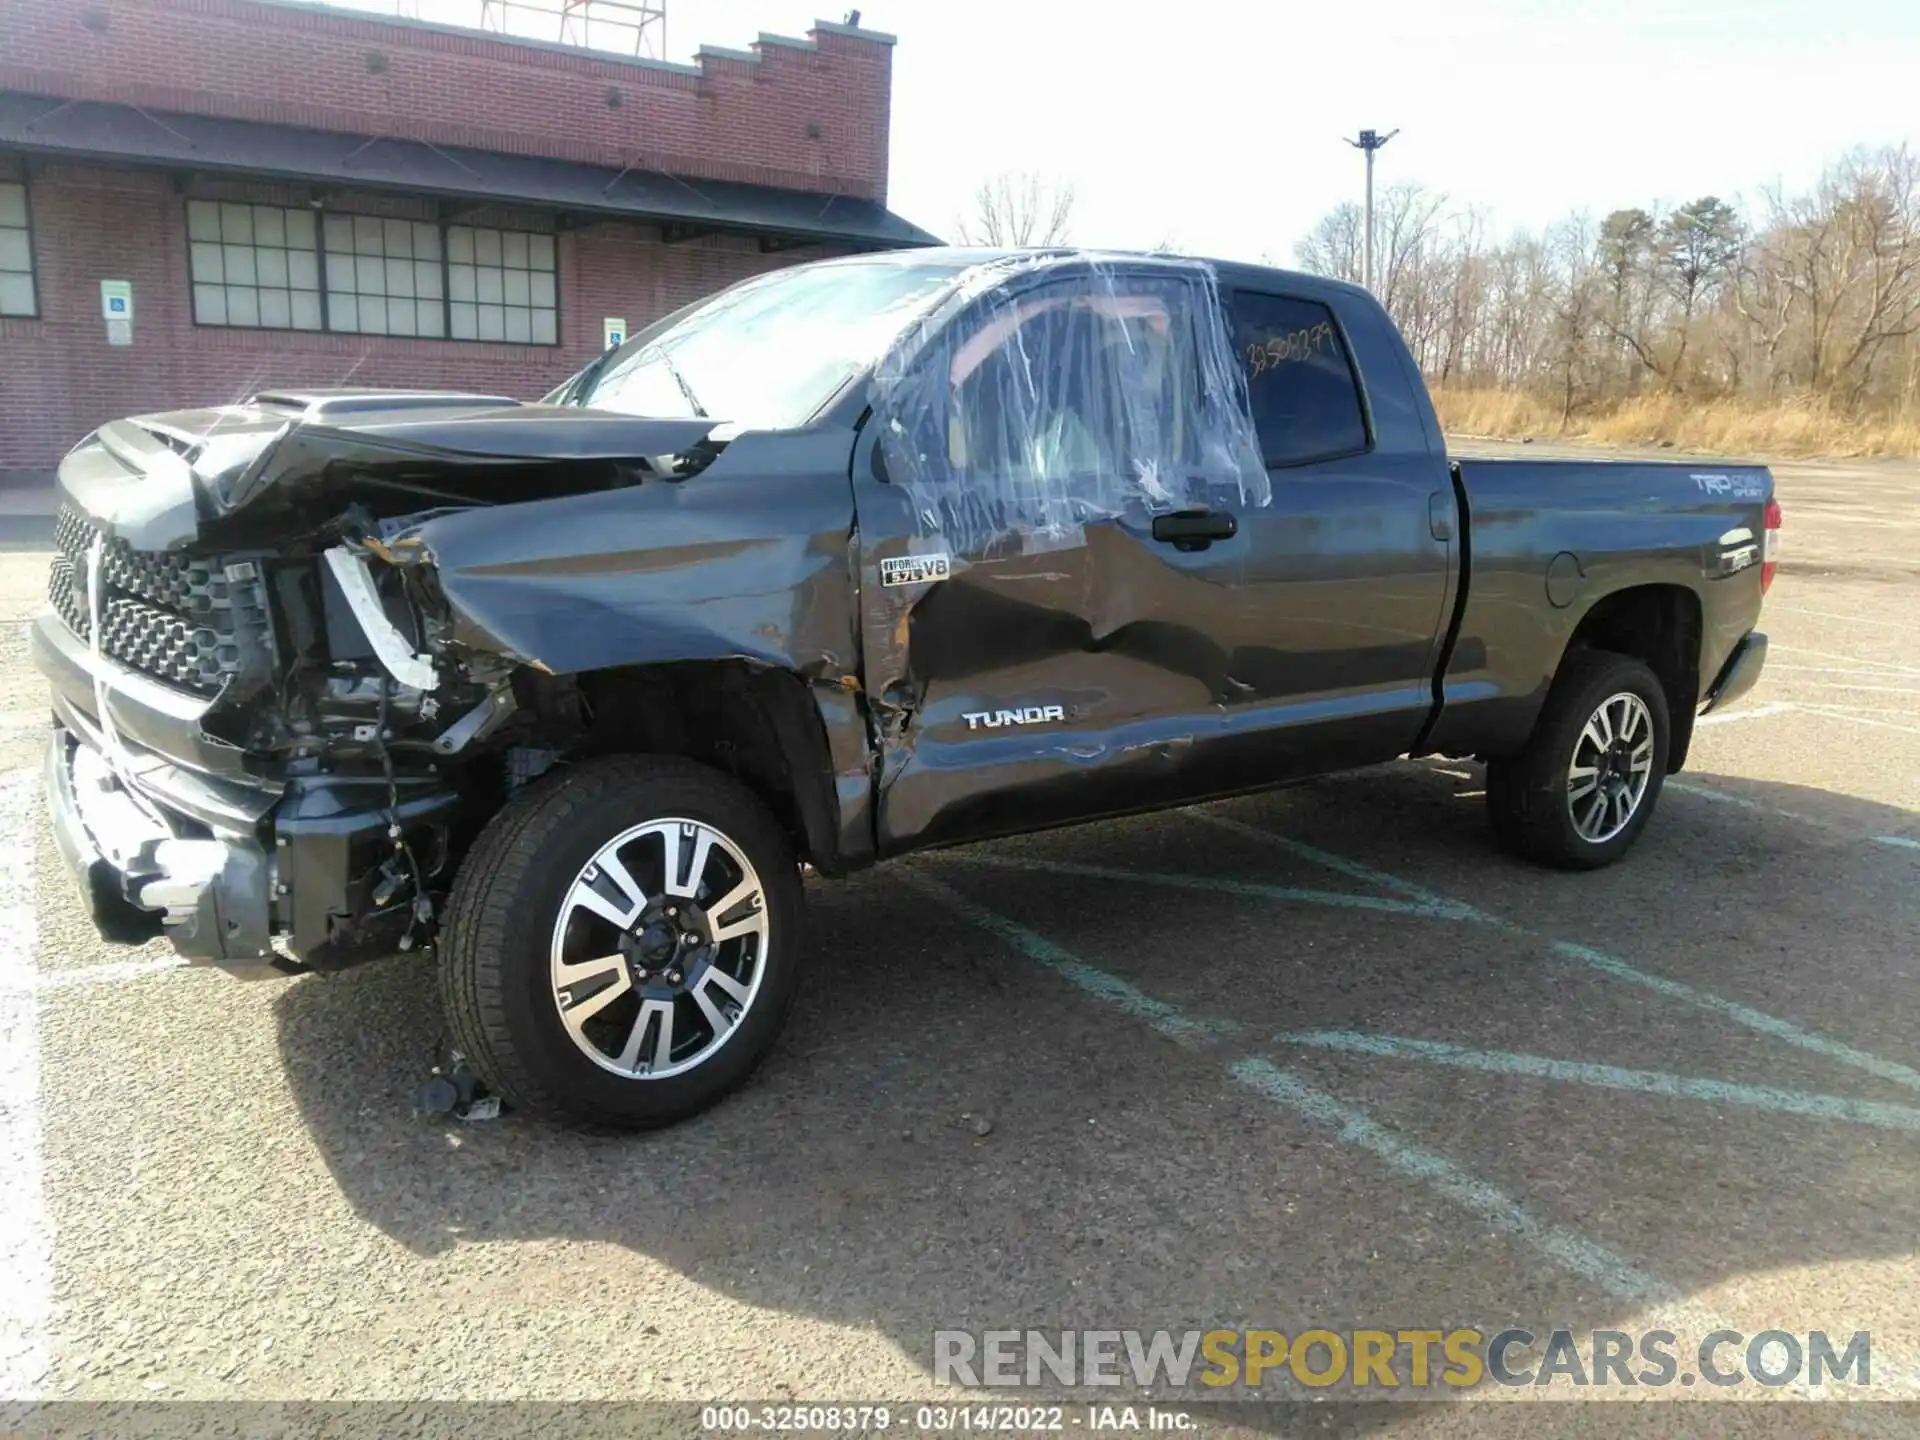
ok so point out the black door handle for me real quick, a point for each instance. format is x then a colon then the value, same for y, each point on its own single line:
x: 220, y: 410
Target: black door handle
x: 1195, y: 529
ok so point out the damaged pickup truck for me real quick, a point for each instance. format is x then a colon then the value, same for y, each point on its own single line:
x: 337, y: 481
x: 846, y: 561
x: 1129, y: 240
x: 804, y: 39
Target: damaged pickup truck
x: 847, y: 561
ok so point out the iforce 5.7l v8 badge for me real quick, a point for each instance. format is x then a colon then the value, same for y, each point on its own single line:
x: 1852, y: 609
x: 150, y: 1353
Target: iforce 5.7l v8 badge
x: 915, y: 569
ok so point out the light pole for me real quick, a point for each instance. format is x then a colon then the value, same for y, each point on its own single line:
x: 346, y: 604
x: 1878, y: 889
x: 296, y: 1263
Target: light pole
x: 1370, y: 141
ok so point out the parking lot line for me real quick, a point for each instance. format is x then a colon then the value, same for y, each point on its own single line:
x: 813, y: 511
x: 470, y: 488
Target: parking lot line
x: 1869, y: 689
x: 1593, y: 1262
x: 1880, y: 666
x: 1745, y: 1015
x: 1837, y: 712
x: 1752, y: 1019
x: 26, y: 1240
x: 1249, y: 888
x: 1837, y: 615
x: 1612, y: 1273
x: 1757, y: 712
x: 1600, y: 1266
x: 1169, y: 1020
x: 1611, y: 1077
x: 1689, y: 787
x: 1343, y: 866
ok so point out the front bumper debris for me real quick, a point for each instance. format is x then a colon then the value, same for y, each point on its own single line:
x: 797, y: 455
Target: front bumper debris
x: 233, y: 878
x: 142, y: 870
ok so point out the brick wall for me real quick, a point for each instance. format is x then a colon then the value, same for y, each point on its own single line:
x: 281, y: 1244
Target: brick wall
x: 808, y: 115
x: 59, y: 378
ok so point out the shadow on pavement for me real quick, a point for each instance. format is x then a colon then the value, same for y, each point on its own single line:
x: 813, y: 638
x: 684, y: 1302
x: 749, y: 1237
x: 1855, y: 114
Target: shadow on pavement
x: 1126, y: 1181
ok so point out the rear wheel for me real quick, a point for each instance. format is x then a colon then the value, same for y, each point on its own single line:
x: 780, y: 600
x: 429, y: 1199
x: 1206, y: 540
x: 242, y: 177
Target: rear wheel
x: 1583, y: 789
x: 623, y: 942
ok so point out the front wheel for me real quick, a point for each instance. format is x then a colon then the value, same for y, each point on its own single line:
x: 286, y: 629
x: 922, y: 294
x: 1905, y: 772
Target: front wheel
x: 623, y: 942
x: 1583, y: 789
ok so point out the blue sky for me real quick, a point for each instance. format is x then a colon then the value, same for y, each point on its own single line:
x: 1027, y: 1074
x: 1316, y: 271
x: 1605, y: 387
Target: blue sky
x: 1218, y: 125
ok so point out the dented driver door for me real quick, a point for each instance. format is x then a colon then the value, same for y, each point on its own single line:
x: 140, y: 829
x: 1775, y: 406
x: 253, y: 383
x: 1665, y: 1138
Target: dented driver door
x: 1051, y: 495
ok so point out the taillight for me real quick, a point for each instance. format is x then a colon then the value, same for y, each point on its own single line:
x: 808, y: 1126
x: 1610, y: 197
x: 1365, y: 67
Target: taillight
x: 1770, y: 547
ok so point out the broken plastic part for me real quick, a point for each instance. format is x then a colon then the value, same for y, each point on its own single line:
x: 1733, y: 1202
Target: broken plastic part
x: 356, y: 584
x: 1050, y: 391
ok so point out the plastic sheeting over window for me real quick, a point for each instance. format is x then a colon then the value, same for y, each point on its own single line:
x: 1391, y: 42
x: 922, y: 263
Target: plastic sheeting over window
x: 1056, y: 390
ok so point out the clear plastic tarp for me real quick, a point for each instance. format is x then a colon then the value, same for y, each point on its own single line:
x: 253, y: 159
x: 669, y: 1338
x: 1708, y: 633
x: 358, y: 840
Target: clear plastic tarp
x: 1057, y: 389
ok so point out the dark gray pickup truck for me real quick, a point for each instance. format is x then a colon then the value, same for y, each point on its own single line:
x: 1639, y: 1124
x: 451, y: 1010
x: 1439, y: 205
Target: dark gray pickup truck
x: 850, y: 560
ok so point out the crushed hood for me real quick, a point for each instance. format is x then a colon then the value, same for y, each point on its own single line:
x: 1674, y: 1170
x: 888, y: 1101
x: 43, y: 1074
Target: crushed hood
x: 284, y: 462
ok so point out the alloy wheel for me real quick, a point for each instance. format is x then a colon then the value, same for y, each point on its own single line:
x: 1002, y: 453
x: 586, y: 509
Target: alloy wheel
x: 659, y: 948
x: 1612, y: 763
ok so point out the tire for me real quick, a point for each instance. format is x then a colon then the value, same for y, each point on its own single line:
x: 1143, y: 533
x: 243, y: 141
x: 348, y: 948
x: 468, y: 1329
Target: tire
x: 1531, y: 797
x: 538, y: 893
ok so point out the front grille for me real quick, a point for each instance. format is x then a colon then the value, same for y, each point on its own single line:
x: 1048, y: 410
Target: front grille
x: 192, y: 623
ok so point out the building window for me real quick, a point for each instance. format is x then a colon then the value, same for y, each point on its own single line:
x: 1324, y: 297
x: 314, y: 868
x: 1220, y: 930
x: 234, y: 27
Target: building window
x: 16, y: 254
x: 384, y: 277
x: 253, y: 266
x: 501, y: 286
x: 263, y: 266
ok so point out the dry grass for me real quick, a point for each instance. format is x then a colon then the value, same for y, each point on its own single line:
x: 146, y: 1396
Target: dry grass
x: 1722, y: 427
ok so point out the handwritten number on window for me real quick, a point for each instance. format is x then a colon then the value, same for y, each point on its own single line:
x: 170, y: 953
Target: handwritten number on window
x: 1294, y: 346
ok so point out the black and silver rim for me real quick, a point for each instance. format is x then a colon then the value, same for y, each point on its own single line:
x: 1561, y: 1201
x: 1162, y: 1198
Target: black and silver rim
x: 659, y: 949
x: 1612, y: 763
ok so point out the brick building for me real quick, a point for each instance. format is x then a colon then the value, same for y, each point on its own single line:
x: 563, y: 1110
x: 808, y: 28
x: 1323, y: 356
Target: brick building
x: 285, y: 194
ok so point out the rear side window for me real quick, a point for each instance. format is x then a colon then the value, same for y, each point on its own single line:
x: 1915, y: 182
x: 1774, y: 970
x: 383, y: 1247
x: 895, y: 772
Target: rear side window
x: 1300, y: 380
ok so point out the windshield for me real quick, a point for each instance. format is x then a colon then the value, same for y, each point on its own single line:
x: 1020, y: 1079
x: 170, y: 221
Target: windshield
x: 768, y: 354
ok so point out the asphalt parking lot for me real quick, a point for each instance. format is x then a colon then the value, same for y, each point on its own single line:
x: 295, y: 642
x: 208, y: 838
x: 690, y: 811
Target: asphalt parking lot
x: 1320, y: 1058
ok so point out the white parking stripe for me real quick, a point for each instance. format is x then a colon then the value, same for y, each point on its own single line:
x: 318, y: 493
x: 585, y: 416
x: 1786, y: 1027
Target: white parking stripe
x: 1600, y: 960
x: 1688, y: 787
x: 1836, y: 615
x: 1612, y: 1273
x: 1758, y: 712
x: 1836, y: 712
x: 1825, y: 685
x: 26, y: 1242
x: 1169, y: 1020
x: 1883, y: 666
x: 1609, y: 1271
x: 1613, y: 1077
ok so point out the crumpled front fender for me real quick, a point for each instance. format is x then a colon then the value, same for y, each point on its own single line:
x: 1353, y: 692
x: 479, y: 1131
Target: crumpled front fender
x: 750, y: 560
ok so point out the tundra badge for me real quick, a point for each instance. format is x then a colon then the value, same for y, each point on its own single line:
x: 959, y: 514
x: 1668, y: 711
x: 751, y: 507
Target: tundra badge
x: 1025, y: 715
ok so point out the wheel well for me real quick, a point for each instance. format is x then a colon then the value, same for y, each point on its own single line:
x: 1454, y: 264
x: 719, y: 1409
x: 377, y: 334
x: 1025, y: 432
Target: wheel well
x: 1660, y: 625
x: 754, y: 722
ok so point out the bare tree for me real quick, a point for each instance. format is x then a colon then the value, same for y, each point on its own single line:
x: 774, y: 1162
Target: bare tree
x: 1013, y: 211
x: 1333, y: 247
x: 1815, y: 294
